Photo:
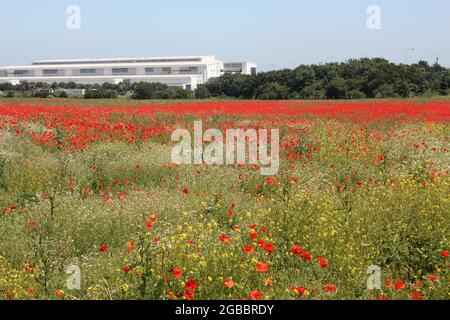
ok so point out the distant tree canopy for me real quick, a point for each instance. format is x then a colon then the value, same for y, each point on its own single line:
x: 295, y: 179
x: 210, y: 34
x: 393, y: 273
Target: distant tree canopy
x: 353, y: 79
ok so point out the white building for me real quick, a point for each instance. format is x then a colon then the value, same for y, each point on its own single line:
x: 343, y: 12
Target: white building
x: 186, y: 72
x: 240, y: 67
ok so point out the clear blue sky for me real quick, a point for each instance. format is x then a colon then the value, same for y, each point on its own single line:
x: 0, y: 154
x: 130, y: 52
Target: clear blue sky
x: 273, y: 33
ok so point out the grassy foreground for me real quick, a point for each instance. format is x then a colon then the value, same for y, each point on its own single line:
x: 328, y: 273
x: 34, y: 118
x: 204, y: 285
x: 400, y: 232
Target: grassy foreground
x: 349, y: 195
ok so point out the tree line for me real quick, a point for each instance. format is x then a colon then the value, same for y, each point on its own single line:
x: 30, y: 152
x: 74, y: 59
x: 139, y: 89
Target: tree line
x: 353, y: 79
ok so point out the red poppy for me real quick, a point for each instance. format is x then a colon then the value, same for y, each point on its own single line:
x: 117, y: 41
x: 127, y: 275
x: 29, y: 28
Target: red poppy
x: 329, y: 288
x: 253, y: 235
x: 302, y: 291
x: 322, y: 262
x: 433, y: 278
x: 189, y: 295
x: 388, y: 283
x: 255, y: 295
x: 149, y: 223
x: 186, y: 191
x: 103, y: 248
x: 262, y: 267
x: 130, y: 247
x: 269, y: 247
x: 127, y: 269
x: 444, y: 253
x: 191, y: 285
x: 228, y: 283
x: 416, y: 296
x: 248, y: 249
x: 306, y: 255
x: 224, y: 238
x: 177, y: 272
x: 296, y: 250
x: 399, y: 285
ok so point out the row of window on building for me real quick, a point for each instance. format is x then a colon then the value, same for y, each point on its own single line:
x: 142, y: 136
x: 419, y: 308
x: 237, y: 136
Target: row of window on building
x: 101, y: 71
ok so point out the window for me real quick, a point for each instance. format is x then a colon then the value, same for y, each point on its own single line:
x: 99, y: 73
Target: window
x: 21, y: 72
x: 167, y: 70
x: 149, y: 70
x: 119, y: 70
x: 3, y: 73
x: 50, y: 72
x: 233, y: 65
x: 253, y: 71
x: 87, y: 71
x: 188, y: 70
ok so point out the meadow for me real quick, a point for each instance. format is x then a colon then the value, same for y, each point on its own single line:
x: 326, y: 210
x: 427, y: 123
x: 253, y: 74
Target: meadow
x: 88, y: 188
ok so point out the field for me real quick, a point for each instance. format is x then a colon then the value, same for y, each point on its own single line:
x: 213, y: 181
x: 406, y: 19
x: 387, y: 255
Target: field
x: 88, y: 189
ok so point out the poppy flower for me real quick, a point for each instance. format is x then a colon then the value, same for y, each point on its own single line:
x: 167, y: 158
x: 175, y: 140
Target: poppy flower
x: 268, y: 282
x: 191, y: 285
x: 399, y: 285
x: 186, y: 191
x: 306, y: 255
x: 255, y: 295
x: 444, y: 253
x: 103, y: 248
x: 387, y: 283
x: 126, y: 269
x: 302, y: 291
x: 59, y: 293
x: 248, y: 249
x: 269, y: 247
x: 296, y: 250
x: 149, y: 223
x: 177, y: 272
x: 224, y: 238
x: 329, y: 288
x: 433, y: 278
x: 322, y: 262
x: 130, y: 247
x: 416, y: 296
x: 189, y: 295
x: 228, y: 283
x: 262, y: 267
x: 253, y: 235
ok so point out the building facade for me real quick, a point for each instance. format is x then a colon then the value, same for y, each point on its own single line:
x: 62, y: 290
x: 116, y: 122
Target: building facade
x: 186, y: 72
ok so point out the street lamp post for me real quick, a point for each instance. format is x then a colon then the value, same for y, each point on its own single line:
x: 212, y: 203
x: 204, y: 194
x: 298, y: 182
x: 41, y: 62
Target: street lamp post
x: 406, y: 54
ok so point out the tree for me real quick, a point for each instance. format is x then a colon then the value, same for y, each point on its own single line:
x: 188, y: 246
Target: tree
x: 336, y: 89
x: 384, y: 91
x: 272, y: 91
x: 202, y: 92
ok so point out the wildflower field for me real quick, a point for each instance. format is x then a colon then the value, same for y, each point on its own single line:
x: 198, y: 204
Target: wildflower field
x: 91, y: 190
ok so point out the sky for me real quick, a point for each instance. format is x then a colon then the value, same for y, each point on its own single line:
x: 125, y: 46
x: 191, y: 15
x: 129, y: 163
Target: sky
x: 273, y: 33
